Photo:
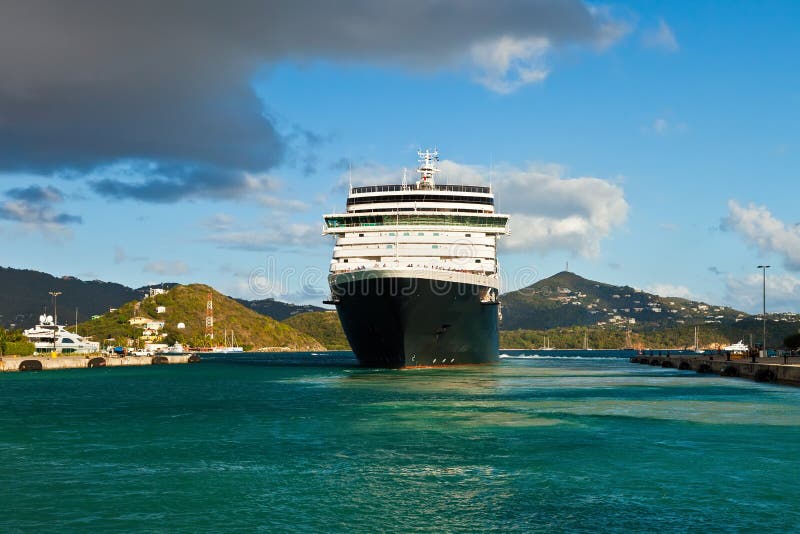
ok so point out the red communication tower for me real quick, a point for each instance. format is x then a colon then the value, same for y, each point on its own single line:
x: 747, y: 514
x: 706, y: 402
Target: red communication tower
x: 209, y: 317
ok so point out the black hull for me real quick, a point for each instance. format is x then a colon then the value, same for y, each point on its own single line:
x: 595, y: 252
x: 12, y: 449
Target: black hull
x: 413, y: 322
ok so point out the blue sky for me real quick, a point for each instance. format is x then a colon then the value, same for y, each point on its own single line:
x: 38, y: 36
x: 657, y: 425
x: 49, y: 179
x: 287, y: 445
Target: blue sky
x: 656, y: 145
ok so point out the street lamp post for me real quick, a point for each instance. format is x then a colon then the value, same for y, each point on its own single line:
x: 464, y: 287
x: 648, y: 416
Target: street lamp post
x: 764, y: 310
x: 55, y: 295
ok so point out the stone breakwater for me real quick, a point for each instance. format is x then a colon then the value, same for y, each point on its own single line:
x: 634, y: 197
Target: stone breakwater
x: 780, y: 370
x: 46, y: 363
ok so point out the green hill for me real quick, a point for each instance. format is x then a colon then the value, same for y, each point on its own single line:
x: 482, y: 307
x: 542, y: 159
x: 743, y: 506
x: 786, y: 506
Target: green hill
x: 187, y: 305
x: 323, y: 326
x: 566, y: 299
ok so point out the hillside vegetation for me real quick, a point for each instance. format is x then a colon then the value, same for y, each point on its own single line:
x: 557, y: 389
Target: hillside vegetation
x: 323, y: 326
x: 709, y: 337
x: 566, y: 299
x: 187, y: 304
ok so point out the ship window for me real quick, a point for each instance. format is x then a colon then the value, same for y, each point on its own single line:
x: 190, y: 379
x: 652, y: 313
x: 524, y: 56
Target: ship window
x: 360, y: 235
x: 389, y: 246
x: 391, y: 233
x: 345, y: 260
x: 434, y: 246
x: 435, y: 233
x: 420, y: 233
x: 477, y: 261
x: 66, y: 340
x: 467, y: 235
x: 406, y: 233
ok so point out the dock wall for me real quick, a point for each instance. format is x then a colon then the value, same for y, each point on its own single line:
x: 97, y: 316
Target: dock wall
x: 762, y: 370
x: 46, y: 363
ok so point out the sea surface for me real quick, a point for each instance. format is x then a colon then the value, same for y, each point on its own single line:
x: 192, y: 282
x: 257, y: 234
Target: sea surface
x: 543, y: 442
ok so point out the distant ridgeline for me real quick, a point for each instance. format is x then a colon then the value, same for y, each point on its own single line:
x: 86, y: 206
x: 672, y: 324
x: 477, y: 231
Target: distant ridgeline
x: 568, y: 310
x: 24, y: 297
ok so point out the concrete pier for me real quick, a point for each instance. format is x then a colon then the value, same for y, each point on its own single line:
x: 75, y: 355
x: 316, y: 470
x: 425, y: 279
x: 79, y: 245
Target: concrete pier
x: 762, y: 370
x: 45, y: 363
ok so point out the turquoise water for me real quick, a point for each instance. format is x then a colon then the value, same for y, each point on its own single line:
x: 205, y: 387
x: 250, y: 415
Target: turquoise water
x: 576, y: 442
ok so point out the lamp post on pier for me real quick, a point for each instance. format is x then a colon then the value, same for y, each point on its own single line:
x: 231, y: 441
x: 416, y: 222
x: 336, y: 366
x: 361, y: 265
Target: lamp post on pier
x: 55, y: 295
x: 764, y: 310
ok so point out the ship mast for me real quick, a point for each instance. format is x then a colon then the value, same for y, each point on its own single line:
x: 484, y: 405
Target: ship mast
x: 427, y: 168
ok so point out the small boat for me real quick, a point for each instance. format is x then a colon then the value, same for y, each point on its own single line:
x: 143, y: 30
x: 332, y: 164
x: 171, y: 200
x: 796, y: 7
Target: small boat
x: 737, y: 348
x: 697, y: 349
x: 175, y: 350
x: 228, y: 347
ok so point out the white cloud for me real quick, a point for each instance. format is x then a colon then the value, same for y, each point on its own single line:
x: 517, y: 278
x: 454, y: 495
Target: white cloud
x: 550, y: 211
x: 268, y: 237
x: 219, y: 222
x: 760, y: 229
x: 664, y: 126
x: 173, y: 268
x: 662, y: 37
x: 370, y: 173
x: 746, y: 293
x: 282, y: 204
x: 506, y: 64
x: 670, y: 290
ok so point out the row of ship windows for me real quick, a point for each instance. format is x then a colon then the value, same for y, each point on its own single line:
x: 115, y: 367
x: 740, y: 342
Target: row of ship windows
x: 418, y: 233
x: 346, y: 260
x: 417, y: 209
x: 338, y: 221
x: 419, y: 198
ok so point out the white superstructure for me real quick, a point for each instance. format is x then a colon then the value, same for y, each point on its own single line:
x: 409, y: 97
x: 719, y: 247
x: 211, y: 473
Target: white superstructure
x: 426, y: 230
x: 47, y: 336
x: 737, y: 347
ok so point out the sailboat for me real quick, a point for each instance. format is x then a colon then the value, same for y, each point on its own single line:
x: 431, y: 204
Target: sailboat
x: 228, y: 347
x: 546, y: 344
x: 697, y: 348
x: 586, y: 340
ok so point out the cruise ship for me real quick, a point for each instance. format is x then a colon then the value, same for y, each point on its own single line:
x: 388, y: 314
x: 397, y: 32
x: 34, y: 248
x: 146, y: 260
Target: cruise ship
x: 48, y: 336
x: 414, y: 274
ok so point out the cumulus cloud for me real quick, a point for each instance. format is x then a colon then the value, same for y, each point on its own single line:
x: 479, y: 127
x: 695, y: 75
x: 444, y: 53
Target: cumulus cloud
x: 36, y: 194
x: 670, y: 290
x: 746, y: 293
x: 35, y: 208
x: 661, y: 37
x: 762, y: 230
x: 172, y: 268
x: 169, y: 84
x: 506, y: 64
x: 549, y: 210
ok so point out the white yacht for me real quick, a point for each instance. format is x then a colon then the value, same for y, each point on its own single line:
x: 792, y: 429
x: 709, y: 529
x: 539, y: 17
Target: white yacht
x: 737, y: 347
x: 48, y: 336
